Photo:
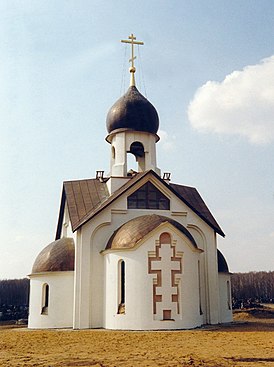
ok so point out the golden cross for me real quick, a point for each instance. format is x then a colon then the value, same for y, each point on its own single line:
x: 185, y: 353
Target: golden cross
x: 132, y: 41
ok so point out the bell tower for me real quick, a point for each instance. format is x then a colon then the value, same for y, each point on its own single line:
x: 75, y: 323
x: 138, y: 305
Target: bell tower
x: 132, y: 125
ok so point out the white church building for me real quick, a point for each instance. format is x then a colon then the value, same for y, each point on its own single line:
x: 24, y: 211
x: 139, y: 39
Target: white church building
x: 132, y: 250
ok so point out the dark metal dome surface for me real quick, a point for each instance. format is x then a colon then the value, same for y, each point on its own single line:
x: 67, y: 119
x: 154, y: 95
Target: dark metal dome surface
x: 222, y: 264
x: 133, y: 112
x: 130, y: 233
x: 57, y: 256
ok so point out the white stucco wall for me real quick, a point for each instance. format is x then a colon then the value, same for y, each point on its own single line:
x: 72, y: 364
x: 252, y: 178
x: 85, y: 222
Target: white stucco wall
x: 139, y: 287
x: 90, y: 265
x: 225, y: 298
x: 121, y: 142
x: 66, y: 230
x: 60, y: 308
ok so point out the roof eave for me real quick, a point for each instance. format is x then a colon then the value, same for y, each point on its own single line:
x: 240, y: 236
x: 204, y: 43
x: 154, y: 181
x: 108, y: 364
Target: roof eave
x: 128, y: 185
x: 61, y: 215
x: 216, y: 229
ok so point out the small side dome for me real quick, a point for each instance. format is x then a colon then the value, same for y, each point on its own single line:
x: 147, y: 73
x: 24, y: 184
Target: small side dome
x: 133, y: 112
x: 57, y: 256
x: 130, y: 233
x: 222, y: 264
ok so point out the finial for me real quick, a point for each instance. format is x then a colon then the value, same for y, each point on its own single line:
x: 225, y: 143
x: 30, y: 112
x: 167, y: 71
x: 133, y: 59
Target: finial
x: 132, y: 69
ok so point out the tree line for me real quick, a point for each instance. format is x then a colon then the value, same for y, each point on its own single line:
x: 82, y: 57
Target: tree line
x: 14, y: 292
x: 14, y: 299
x: 252, y: 288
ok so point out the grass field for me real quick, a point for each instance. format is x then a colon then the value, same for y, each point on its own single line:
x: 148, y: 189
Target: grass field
x: 248, y: 342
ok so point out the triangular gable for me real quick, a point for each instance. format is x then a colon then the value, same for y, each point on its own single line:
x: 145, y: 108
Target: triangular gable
x: 148, y: 196
x: 87, y: 198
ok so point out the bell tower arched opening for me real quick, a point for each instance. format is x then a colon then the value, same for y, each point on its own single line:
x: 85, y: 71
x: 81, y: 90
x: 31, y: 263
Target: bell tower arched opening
x: 132, y: 124
x: 138, y: 151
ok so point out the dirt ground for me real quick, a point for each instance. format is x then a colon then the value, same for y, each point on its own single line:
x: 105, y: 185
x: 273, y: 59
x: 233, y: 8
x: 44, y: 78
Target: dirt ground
x: 248, y: 342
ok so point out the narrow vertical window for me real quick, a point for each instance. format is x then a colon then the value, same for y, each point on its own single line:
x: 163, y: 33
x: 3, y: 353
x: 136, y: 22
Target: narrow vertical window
x: 45, y: 299
x: 121, y: 287
x: 199, y: 280
x: 228, y: 295
x: 113, y: 153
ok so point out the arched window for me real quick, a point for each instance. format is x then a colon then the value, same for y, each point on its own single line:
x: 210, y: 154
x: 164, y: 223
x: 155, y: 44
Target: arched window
x: 113, y: 152
x: 137, y: 149
x: 45, y: 299
x: 121, y: 287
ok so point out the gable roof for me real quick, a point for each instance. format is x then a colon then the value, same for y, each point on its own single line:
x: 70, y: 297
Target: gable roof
x: 83, y: 197
x: 86, y: 198
x: 191, y: 197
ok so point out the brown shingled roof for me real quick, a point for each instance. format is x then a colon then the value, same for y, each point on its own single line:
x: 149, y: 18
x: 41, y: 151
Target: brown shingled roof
x: 192, y: 198
x: 83, y: 197
x: 86, y: 198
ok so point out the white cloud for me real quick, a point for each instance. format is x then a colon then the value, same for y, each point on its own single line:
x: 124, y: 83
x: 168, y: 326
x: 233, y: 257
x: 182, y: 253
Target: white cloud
x: 242, y: 104
x: 166, y: 141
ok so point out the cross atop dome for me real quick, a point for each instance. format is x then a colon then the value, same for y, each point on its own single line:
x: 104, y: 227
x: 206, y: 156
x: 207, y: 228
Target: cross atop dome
x: 132, y: 69
x: 132, y: 125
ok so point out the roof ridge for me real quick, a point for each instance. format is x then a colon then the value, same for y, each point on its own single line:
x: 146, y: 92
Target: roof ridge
x: 187, y: 194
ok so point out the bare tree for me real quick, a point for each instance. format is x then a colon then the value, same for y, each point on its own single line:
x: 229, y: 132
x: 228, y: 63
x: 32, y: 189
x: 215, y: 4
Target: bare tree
x: 253, y: 287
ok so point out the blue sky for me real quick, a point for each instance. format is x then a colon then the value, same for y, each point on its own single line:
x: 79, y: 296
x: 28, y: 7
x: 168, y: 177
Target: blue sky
x: 208, y: 68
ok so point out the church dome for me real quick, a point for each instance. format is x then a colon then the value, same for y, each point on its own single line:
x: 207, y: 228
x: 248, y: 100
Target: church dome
x: 130, y: 233
x: 222, y: 264
x: 133, y: 112
x: 57, y: 256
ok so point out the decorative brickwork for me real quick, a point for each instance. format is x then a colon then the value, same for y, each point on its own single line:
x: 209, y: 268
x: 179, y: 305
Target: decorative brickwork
x: 166, y: 265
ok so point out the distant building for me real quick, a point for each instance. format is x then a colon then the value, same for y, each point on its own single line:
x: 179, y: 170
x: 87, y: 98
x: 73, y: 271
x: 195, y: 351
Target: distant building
x: 133, y: 250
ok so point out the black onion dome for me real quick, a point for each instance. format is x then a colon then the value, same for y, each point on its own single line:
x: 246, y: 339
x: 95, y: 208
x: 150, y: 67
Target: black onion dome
x: 133, y: 112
